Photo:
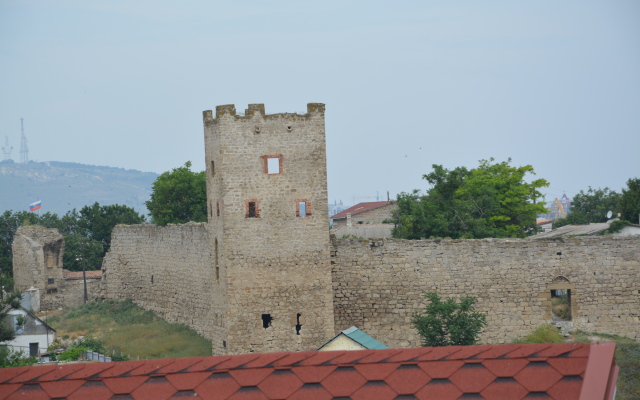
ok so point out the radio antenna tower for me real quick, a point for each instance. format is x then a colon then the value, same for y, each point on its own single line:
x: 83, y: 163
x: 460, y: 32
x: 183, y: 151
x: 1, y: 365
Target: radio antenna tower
x: 24, y: 150
x: 6, y: 149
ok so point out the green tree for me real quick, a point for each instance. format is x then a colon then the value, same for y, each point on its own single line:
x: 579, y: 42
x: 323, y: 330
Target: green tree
x: 96, y: 222
x: 449, y: 323
x: 179, y: 196
x: 8, y: 301
x: 492, y: 200
x: 94, y: 252
x: 630, y: 201
x: 590, y: 207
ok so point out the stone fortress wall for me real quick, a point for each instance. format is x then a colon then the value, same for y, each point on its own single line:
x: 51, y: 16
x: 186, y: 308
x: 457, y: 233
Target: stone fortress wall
x: 262, y: 274
x: 163, y: 269
x: 378, y: 284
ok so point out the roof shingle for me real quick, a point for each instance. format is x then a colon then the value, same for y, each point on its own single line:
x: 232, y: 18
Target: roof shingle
x: 557, y: 371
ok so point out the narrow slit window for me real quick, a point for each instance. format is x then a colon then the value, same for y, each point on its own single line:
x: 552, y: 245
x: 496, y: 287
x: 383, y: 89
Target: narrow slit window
x: 217, y: 208
x: 213, y: 168
x: 298, y: 324
x: 216, y: 258
x: 303, y: 209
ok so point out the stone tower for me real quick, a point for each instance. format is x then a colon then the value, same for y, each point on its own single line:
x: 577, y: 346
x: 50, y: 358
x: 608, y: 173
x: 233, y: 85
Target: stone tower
x: 267, y: 207
x: 37, y: 264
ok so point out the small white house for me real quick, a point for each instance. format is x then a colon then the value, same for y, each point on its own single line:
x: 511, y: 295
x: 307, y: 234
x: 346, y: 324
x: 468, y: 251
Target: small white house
x: 33, y: 335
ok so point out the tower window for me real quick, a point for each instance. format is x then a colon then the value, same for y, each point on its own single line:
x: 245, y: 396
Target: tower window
x: 252, y: 209
x: 217, y: 208
x: 303, y: 208
x: 213, y: 168
x: 273, y: 164
x: 266, y: 320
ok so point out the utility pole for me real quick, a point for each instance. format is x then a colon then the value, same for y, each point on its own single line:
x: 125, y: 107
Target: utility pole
x: 84, y: 271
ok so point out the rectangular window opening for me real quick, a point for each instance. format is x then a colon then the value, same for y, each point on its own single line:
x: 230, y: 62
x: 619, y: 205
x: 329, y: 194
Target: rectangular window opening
x: 303, y: 208
x: 273, y: 166
x: 224, y: 344
x: 252, y: 209
x: 561, y: 305
x: 266, y: 320
x: 50, y: 281
x: 33, y: 349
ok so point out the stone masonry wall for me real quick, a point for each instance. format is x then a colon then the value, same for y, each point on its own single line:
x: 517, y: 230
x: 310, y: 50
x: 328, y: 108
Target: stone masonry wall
x: 164, y: 269
x: 273, y: 259
x: 378, y: 283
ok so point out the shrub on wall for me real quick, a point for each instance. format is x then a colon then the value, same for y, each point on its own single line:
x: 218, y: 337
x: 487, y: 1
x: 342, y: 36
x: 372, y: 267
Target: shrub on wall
x: 449, y: 323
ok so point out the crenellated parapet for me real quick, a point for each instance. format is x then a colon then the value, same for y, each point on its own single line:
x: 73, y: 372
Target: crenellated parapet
x: 254, y: 111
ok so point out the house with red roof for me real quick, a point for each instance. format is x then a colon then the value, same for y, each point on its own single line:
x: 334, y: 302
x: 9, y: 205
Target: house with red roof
x: 372, y: 212
x: 562, y: 371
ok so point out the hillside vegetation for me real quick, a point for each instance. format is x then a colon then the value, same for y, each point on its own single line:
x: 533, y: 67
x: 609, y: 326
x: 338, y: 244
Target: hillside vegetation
x: 127, y: 328
x: 63, y: 186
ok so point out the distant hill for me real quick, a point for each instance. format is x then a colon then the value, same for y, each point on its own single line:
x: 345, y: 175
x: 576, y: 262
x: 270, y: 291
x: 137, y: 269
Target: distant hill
x: 63, y: 186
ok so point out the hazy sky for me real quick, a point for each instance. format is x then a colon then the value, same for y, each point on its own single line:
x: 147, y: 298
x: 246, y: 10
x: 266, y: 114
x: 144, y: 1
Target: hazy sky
x: 407, y: 84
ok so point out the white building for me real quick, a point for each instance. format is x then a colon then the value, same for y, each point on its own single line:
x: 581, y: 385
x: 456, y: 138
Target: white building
x: 33, y: 335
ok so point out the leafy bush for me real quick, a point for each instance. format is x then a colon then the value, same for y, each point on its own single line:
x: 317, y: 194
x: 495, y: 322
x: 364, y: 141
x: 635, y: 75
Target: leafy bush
x: 10, y: 359
x: 449, y: 323
x: 72, y: 354
x: 90, y: 343
x: 542, y: 334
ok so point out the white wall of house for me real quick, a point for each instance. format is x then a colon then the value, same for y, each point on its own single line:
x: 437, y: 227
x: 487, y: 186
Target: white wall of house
x: 23, y: 341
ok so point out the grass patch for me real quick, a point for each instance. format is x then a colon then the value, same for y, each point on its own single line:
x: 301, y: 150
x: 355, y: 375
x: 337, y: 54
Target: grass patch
x: 127, y: 328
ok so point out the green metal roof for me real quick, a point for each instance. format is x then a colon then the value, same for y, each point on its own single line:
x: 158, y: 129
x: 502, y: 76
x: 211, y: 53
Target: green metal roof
x: 362, y: 338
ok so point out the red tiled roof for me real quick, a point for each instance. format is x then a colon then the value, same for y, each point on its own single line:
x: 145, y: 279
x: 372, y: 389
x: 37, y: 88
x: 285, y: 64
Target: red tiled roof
x: 554, y: 371
x: 78, y: 274
x: 360, y: 208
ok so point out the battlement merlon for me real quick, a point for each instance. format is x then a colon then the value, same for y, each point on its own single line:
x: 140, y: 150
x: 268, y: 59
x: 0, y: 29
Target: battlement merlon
x: 255, y: 109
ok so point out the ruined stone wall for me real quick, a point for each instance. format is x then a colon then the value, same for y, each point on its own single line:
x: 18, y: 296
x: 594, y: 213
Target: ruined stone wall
x: 73, y: 292
x: 378, y: 283
x: 164, y: 269
x: 37, y: 263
